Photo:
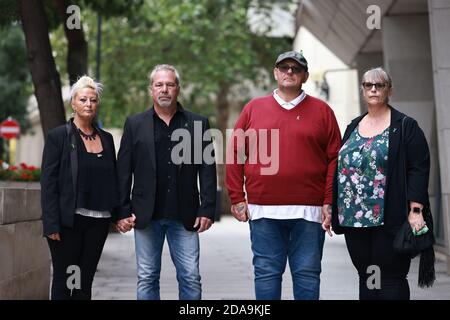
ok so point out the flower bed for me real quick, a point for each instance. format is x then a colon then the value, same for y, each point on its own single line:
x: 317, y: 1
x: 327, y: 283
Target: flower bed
x: 23, y: 172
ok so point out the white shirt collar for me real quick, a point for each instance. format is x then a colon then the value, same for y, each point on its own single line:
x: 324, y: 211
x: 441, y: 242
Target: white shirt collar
x: 291, y: 104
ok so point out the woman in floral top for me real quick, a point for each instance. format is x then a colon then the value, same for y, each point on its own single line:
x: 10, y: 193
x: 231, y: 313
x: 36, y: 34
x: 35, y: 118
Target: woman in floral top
x: 370, y: 200
x: 362, y: 167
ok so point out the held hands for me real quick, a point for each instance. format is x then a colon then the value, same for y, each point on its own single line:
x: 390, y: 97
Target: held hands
x: 240, y: 211
x: 203, y: 223
x: 126, y: 224
x: 326, y: 219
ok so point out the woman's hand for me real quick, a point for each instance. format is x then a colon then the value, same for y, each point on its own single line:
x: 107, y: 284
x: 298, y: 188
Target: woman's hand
x: 54, y: 236
x: 415, y: 217
x: 126, y: 224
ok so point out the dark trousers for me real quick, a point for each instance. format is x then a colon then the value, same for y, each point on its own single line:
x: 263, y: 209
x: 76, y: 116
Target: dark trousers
x: 373, y: 247
x: 80, y: 246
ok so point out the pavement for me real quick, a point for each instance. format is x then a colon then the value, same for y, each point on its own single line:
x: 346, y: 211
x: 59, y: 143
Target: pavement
x: 227, y: 272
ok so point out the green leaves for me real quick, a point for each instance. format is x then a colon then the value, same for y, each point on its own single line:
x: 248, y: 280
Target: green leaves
x: 208, y: 41
x: 15, y: 84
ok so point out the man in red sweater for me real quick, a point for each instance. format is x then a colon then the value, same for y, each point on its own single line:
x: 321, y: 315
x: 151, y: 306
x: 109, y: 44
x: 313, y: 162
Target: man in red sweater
x: 287, y: 201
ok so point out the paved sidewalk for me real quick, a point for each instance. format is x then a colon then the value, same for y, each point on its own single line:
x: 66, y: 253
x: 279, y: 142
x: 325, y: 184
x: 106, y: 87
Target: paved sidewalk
x: 227, y: 272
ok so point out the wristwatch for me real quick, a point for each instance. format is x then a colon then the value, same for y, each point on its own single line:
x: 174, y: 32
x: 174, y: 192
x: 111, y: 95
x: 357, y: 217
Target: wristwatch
x: 417, y: 210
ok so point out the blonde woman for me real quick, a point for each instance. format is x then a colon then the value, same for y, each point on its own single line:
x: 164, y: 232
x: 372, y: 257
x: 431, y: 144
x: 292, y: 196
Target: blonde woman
x: 78, y: 192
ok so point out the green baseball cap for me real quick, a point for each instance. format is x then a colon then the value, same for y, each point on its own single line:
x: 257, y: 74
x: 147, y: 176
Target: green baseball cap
x: 294, y: 55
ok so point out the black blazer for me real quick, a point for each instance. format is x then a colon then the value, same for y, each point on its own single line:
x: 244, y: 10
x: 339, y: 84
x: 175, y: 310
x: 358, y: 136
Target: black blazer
x: 136, y: 159
x: 59, y: 176
x: 414, y: 148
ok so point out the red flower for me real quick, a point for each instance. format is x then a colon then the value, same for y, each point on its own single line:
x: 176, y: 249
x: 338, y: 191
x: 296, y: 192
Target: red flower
x: 369, y: 142
x: 23, y: 172
x: 24, y: 176
x: 376, y: 210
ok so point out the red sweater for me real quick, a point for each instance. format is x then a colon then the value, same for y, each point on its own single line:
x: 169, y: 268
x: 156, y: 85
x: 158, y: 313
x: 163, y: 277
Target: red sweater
x: 309, y: 142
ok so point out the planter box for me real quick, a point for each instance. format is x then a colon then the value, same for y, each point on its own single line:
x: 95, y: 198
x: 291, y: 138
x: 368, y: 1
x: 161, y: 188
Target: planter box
x: 24, y: 254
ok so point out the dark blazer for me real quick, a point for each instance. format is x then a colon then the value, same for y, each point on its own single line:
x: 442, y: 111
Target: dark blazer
x: 413, y: 148
x: 59, y: 176
x: 136, y: 159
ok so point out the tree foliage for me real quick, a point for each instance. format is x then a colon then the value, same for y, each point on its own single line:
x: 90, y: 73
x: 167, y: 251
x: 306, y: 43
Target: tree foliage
x: 55, y: 16
x: 108, y: 8
x: 209, y: 41
x: 15, y: 84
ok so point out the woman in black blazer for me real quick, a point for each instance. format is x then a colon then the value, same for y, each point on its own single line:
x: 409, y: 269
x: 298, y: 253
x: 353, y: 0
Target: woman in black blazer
x: 381, y: 181
x: 78, y: 194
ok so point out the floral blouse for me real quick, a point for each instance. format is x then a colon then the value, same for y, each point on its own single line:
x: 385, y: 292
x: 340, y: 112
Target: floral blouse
x: 362, y: 171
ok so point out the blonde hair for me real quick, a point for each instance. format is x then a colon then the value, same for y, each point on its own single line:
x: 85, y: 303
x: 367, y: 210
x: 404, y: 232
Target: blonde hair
x: 86, y: 82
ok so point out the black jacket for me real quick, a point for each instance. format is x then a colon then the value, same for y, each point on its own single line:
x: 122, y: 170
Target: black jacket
x: 415, y: 147
x: 136, y: 160
x: 59, y: 176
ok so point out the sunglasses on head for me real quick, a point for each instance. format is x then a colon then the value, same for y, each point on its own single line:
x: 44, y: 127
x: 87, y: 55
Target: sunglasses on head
x: 285, y: 68
x: 378, y: 85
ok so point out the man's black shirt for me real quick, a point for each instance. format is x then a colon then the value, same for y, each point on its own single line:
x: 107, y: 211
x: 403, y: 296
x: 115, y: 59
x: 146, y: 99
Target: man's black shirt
x: 166, y: 204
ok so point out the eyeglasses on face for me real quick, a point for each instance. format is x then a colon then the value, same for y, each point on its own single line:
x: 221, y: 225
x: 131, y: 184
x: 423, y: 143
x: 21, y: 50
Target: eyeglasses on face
x: 378, y: 85
x: 285, y: 68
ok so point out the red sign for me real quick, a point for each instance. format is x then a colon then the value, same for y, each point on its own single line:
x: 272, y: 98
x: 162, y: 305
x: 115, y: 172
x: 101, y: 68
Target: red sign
x: 9, y: 128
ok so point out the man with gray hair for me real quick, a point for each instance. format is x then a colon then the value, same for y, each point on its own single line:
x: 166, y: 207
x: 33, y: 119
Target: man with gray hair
x: 165, y: 196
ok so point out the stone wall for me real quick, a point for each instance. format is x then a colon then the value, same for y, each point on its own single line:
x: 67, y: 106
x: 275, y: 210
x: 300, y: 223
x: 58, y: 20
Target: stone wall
x: 24, y: 254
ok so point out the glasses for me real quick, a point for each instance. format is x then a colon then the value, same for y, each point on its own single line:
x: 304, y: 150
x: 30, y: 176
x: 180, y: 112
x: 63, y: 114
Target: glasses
x: 285, y: 68
x: 378, y: 85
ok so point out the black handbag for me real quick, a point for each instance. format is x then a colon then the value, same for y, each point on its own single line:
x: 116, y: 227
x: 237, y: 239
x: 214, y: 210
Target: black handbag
x: 406, y: 243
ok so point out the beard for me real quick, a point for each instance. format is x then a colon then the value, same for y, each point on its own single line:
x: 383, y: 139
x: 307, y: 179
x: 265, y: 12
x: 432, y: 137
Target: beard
x: 164, y: 103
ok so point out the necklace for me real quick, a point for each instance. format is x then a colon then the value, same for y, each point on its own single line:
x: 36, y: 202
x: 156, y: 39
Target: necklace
x: 88, y: 136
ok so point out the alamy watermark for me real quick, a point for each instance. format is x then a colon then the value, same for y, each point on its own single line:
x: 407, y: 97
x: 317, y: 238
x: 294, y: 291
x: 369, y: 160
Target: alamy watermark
x: 74, y: 19
x: 374, y: 280
x: 252, y: 146
x: 74, y: 280
x: 374, y: 19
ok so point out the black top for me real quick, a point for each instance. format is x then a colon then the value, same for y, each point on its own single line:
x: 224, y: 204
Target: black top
x: 166, y: 204
x: 59, y: 178
x: 411, y: 151
x: 95, y: 183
